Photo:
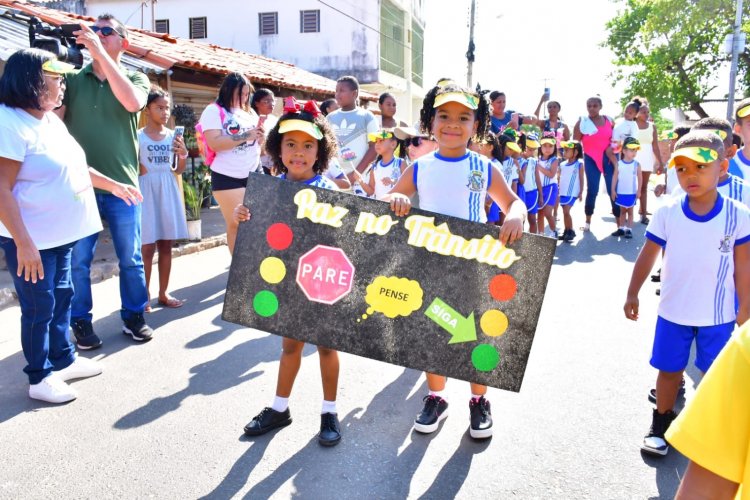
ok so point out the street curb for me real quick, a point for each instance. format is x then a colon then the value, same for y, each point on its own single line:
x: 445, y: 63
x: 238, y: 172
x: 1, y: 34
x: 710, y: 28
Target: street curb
x: 101, y: 271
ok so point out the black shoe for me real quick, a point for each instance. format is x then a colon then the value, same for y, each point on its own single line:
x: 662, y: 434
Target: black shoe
x: 267, y: 420
x: 137, y: 328
x: 330, y: 431
x: 619, y: 232
x: 656, y: 278
x: 569, y: 235
x: 481, y: 418
x: 628, y: 234
x: 86, y: 339
x: 654, y: 442
x: 658, y: 292
x: 435, y: 410
x: 680, y: 393
x: 563, y: 236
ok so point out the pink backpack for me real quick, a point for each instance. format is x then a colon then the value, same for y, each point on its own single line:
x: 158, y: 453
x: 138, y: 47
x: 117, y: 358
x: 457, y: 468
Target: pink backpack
x: 205, y: 150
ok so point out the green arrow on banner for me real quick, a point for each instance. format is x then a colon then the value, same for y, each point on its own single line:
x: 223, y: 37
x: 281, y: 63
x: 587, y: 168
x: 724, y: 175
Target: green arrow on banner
x: 461, y: 329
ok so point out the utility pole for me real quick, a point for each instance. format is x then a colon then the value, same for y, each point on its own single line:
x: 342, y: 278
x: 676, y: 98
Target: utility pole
x: 738, y: 44
x: 470, y: 52
x: 153, y: 16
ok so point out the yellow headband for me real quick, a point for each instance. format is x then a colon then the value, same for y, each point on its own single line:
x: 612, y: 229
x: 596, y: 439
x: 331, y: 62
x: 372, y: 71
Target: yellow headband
x: 669, y: 135
x: 698, y: 154
x: 718, y: 132
x: 301, y: 126
x: 381, y: 134
x: 513, y: 146
x: 743, y: 111
x: 57, y: 67
x: 548, y: 140
x: 468, y: 100
x: 532, y: 144
x: 568, y: 144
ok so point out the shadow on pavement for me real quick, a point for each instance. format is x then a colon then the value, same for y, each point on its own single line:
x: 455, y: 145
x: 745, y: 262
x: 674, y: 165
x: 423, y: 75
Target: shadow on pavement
x: 587, y: 246
x: 452, y: 475
x: 669, y: 472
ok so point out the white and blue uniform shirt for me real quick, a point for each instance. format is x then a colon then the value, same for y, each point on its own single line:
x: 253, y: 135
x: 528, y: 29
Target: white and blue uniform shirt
x: 732, y: 187
x: 697, y: 276
x: 570, y: 182
x: 529, y: 180
x: 627, y: 177
x: 318, y: 181
x: 739, y: 166
x: 386, y: 176
x: 545, y: 165
x: 508, y: 168
x: 453, y: 186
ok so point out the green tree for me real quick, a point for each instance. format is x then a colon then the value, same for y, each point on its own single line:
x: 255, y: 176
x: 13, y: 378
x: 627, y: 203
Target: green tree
x: 670, y: 51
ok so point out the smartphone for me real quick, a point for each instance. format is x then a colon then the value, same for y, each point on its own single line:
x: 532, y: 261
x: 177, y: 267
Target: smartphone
x: 68, y: 29
x: 546, y: 93
x: 179, y: 131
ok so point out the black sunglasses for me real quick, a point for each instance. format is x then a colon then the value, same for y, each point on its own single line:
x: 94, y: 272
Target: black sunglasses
x: 415, y: 141
x: 106, y: 31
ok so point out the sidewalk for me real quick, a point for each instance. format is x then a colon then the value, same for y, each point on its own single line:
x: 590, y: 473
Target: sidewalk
x: 105, y: 263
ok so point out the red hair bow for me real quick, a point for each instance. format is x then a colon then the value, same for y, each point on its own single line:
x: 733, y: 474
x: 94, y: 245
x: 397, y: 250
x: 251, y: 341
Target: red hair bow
x: 292, y: 106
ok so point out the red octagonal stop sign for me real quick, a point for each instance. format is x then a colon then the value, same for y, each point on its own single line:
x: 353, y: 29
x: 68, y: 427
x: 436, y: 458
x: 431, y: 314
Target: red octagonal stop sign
x: 325, y: 274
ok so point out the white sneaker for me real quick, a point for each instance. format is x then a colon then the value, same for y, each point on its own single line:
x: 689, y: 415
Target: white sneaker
x: 80, y: 368
x: 52, y: 390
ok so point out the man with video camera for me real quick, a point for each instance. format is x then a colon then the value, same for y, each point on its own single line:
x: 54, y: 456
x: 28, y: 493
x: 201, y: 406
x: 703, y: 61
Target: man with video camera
x: 101, y: 107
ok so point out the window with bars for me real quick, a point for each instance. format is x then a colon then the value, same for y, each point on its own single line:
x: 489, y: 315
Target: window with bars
x: 198, y: 27
x: 162, y: 25
x: 268, y: 23
x: 309, y: 21
x: 392, y: 39
x: 417, y: 51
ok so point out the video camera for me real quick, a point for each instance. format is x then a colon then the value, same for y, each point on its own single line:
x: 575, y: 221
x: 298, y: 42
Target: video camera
x: 58, y: 40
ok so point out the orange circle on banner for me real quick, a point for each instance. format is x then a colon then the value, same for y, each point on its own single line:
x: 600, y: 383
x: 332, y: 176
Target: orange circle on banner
x: 503, y: 287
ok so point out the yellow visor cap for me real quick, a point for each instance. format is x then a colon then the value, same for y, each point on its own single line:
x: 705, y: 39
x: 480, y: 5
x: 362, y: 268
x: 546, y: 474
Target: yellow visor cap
x: 548, y: 140
x: 301, y: 126
x: 513, y: 146
x: 468, y: 100
x: 58, y: 67
x: 696, y: 153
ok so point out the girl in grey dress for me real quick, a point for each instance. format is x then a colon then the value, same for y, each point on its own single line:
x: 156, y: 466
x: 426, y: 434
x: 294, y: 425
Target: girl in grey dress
x: 162, y: 154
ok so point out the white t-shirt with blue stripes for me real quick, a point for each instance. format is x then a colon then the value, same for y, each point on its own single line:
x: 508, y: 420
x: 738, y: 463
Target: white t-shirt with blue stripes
x: 546, y: 165
x: 627, y: 177
x: 697, y: 276
x: 529, y: 180
x: 739, y: 166
x: 732, y: 187
x: 570, y: 182
x: 453, y: 186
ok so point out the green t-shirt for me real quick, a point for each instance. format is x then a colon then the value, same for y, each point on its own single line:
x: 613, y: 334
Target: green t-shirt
x: 106, y: 131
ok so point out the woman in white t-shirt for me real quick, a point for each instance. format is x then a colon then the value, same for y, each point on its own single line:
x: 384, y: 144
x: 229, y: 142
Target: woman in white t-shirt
x: 232, y: 130
x: 47, y: 204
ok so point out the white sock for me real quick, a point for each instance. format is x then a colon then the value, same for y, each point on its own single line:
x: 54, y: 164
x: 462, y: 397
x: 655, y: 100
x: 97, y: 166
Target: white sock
x: 280, y: 404
x: 437, y: 393
x: 328, y: 407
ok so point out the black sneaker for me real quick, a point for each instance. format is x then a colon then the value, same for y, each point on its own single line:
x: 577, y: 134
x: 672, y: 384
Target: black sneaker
x: 267, y: 420
x: 137, y: 328
x: 628, y: 234
x: 619, y: 232
x: 654, y: 442
x: 435, y: 410
x: 86, y: 339
x: 680, y: 393
x: 570, y: 236
x: 330, y: 431
x: 656, y: 278
x: 563, y: 236
x: 481, y: 418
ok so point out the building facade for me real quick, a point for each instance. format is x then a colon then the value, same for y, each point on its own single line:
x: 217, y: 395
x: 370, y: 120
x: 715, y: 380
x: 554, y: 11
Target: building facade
x: 380, y: 42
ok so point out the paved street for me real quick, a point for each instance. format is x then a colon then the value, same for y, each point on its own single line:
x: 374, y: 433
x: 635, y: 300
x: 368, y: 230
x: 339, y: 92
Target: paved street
x: 165, y: 418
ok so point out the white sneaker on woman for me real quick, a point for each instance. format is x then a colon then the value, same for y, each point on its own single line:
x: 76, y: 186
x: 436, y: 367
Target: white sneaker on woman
x: 80, y: 368
x: 52, y: 390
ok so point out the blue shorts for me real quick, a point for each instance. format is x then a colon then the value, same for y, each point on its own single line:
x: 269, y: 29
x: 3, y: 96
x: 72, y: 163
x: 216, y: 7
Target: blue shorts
x: 672, y: 343
x: 568, y: 200
x: 625, y: 200
x: 532, y: 201
x: 493, y: 214
x: 549, y: 195
x: 521, y: 191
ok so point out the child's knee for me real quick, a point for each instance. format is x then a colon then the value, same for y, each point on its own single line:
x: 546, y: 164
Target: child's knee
x: 324, y: 352
x: 291, y: 347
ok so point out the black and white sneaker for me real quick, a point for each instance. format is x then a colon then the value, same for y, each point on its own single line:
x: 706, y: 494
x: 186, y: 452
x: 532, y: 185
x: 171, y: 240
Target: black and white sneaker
x: 86, y: 339
x: 330, y: 430
x: 680, y: 392
x: 267, y: 420
x: 435, y: 410
x: 629, y: 233
x: 137, y: 328
x: 481, y: 418
x: 654, y: 442
x: 618, y: 233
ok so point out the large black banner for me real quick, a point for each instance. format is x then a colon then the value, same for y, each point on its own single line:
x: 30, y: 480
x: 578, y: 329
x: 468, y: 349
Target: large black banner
x: 424, y: 291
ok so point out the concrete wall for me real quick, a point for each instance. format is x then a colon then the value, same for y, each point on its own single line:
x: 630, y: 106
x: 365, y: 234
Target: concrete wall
x: 343, y: 45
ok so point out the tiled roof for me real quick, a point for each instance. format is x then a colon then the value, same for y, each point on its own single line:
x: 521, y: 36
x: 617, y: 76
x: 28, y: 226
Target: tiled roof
x: 166, y: 51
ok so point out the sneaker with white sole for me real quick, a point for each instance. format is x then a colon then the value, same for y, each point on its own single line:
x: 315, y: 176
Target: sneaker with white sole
x: 480, y: 418
x: 654, y: 443
x: 52, y: 390
x: 435, y: 409
x: 80, y: 368
x: 137, y: 328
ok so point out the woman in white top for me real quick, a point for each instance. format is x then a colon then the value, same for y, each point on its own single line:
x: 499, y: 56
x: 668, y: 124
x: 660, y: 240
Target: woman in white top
x: 231, y: 129
x: 47, y: 204
x: 262, y: 102
x: 648, y: 156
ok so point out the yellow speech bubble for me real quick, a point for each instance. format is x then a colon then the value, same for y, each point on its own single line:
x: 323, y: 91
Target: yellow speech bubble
x: 393, y: 296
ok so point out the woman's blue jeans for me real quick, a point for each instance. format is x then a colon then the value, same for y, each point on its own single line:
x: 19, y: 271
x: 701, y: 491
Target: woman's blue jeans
x: 45, y: 310
x: 593, y: 177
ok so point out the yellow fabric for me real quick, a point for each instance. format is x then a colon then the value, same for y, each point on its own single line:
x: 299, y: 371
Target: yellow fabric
x: 714, y: 429
x: 696, y: 153
x: 468, y: 100
x: 301, y: 126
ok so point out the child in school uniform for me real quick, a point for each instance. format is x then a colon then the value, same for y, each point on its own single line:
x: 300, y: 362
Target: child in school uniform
x: 706, y: 259
x: 571, y: 184
x: 453, y: 115
x: 626, y: 184
x: 532, y: 183
x: 388, y: 167
x: 547, y: 167
x: 301, y: 145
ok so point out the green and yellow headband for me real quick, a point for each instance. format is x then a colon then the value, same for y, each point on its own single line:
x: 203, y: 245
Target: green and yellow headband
x: 668, y: 135
x: 698, y: 154
x: 57, y: 67
x: 718, y: 132
x: 743, y: 111
x: 463, y: 98
x: 301, y: 126
x: 380, y: 134
x: 568, y: 144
